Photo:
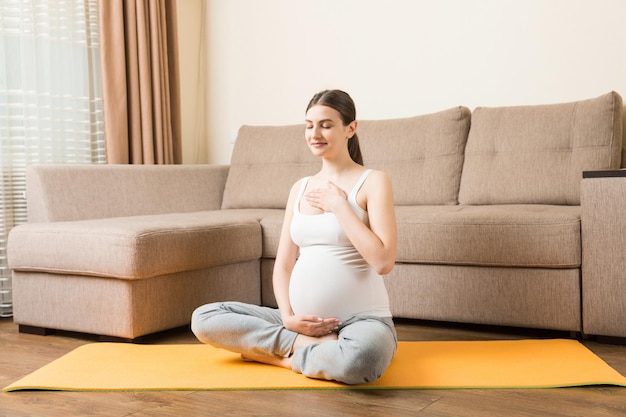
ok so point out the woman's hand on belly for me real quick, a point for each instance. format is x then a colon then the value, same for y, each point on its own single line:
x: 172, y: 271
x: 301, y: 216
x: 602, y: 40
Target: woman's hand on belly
x: 311, y: 325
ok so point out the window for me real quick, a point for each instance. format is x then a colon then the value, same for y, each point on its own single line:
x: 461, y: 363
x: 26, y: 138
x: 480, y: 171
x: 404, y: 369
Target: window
x: 50, y: 100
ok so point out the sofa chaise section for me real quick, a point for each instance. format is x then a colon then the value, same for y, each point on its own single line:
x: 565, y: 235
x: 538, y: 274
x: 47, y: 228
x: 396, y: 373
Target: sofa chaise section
x: 128, y: 276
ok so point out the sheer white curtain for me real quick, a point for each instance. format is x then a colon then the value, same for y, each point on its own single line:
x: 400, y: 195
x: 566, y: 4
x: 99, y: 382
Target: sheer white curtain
x: 50, y: 100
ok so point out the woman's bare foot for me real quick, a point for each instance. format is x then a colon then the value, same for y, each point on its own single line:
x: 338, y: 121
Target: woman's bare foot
x: 269, y: 360
x: 300, y: 342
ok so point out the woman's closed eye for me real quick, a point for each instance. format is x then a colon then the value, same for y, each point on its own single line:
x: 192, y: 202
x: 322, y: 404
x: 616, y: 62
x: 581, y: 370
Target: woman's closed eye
x: 325, y: 125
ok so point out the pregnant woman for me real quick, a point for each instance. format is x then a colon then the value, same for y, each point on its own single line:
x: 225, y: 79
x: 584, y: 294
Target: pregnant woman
x: 339, y: 236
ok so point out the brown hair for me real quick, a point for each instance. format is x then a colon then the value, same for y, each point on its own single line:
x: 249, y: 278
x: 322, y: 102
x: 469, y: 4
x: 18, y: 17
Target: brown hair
x: 343, y: 103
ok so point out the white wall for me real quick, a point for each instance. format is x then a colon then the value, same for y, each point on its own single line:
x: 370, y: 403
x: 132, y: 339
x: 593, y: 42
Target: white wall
x: 398, y: 58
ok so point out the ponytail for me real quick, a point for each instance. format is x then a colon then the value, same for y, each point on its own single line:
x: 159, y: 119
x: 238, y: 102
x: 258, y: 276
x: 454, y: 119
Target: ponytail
x: 355, y: 149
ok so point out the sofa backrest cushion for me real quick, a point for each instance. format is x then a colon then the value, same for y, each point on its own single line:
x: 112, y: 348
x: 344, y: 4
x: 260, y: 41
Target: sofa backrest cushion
x: 536, y: 154
x: 423, y: 155
x: 68, y: 192
x: 265, y: 162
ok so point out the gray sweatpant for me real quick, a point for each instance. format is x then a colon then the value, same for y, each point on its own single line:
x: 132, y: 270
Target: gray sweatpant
x: 363, y: 351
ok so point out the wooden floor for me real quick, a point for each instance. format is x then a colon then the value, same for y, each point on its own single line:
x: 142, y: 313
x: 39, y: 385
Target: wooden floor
x: 21, y: 354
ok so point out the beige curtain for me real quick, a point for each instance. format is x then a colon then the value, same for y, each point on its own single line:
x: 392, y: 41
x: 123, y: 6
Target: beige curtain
x: 140, y: 82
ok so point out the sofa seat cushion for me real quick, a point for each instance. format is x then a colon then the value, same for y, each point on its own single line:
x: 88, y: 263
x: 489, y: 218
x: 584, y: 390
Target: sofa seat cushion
x: 543, y: 236
x: 136, y: 247
x: 272, y: 226
x: 271, y: 221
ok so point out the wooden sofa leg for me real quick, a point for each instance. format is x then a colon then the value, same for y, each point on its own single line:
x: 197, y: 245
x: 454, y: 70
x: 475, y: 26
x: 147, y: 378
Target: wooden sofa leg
x: 40, y: 331
x: 115, y: 339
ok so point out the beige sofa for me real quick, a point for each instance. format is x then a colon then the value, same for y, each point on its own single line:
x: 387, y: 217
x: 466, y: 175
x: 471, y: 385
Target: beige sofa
x: 487, y: 202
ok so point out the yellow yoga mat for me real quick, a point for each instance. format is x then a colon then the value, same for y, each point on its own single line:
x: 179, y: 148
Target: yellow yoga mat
x: 417, y: 365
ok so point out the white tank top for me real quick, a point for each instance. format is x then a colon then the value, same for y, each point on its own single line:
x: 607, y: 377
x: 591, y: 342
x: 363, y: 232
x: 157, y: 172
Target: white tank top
x: 330, y: 277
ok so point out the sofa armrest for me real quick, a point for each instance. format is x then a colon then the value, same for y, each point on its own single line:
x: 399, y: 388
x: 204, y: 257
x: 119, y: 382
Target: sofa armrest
x: 79, y: 192
x: 603, y: 225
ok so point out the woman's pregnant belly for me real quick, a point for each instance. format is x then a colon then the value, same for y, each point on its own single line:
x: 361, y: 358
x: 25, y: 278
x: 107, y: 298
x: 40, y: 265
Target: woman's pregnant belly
x: 332, y: 282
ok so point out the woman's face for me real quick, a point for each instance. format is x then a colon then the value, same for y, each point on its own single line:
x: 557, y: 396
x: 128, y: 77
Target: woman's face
x: 325, y: 133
